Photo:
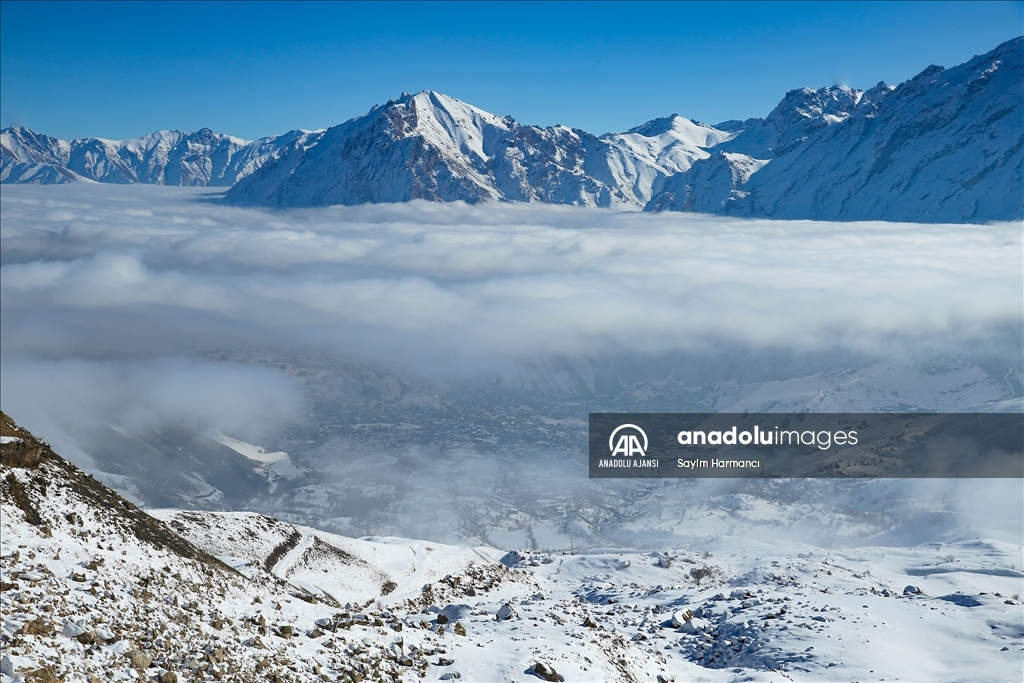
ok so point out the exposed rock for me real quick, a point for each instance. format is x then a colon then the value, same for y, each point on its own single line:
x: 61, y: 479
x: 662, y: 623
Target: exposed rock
x: 681, y: 617
x: 45, y: 674
x: 73, y: 630
x: 506, y: 612
x: 37, y: 627
x: 139, y: 659
x: 545, y: 671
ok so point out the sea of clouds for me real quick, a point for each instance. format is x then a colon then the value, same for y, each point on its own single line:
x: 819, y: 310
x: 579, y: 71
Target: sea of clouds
x: 107, y: 271
x: 115, y: 301
x: 121, y: 279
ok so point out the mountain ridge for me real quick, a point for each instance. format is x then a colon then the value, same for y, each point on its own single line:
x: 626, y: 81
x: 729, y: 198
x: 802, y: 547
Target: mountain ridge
x: 165, y: 157
x: 836, y: 153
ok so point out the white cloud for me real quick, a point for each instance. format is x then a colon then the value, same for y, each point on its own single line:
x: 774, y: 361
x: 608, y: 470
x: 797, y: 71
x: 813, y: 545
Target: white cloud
x: 129, y: 270
x: 75, y: 396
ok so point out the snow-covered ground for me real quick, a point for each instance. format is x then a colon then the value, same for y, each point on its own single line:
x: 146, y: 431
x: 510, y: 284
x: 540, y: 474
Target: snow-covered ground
x: 97, y: 590
x: 274, y: 465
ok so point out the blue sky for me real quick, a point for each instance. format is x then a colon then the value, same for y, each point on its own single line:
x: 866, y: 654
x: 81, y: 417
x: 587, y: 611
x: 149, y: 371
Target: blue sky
x: 121, y: 70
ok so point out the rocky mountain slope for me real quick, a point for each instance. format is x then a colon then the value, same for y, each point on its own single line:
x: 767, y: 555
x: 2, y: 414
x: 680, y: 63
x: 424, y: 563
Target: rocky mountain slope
x: 94, y: 589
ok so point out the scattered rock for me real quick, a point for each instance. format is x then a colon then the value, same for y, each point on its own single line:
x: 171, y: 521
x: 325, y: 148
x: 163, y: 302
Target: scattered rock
x: 73, y: 630
x: 454, y: 613
x: 962, y: 600
x: 139, y: 659
x: 693, y: 626
x: 168, y: 677
x: 459, y: 629
x: 681, y: 617
x: 506, y: 612
x: 545, y: 671
x: 37, y: 627
x: 45, y: 674
x: 510, y: 559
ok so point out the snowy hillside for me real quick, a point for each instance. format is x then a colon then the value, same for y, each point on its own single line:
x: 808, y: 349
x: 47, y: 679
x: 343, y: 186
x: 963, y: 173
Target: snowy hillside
x: 709, y: 185
x: 95, y: 590
x: 719, y: 180
x: 945, y: 146
x: 167, y: 157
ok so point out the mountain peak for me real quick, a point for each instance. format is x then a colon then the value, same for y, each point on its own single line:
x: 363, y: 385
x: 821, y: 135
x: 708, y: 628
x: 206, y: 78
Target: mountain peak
x: 658, y: 126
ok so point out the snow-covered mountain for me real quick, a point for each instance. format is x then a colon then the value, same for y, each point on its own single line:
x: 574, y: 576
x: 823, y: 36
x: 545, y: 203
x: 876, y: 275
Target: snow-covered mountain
x: 432, y: 146
x: 800, y: 114
x: 167, y: 157
x: 943, y: 146
x: 642, y: 158
x: 719, y: 179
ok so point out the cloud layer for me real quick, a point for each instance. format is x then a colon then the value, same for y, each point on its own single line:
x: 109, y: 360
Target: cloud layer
x: 137, y: 271
x: 114, y: 301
